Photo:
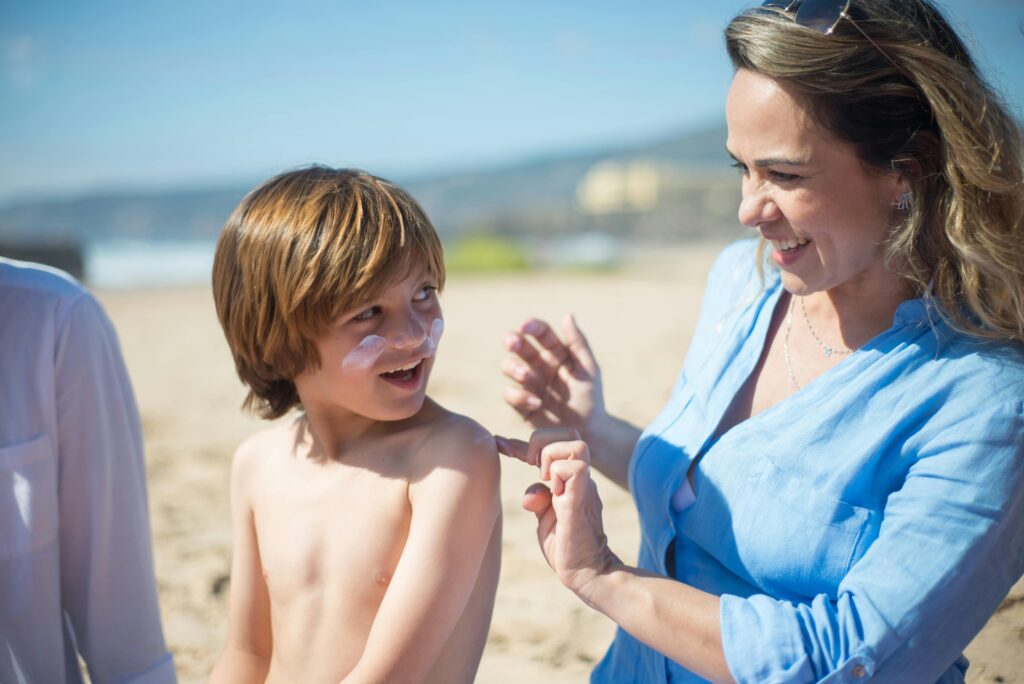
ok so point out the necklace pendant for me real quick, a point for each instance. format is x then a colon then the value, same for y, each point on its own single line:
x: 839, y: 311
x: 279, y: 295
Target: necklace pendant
x: 828, y: 351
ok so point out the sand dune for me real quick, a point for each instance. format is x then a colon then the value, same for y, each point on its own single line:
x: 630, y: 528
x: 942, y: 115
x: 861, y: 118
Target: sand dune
x: 638, y: 319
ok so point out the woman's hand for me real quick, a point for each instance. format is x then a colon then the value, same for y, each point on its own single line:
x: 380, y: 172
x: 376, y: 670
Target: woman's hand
x: 557, y: 381
x: 558, y: 384
x: 569, y: 525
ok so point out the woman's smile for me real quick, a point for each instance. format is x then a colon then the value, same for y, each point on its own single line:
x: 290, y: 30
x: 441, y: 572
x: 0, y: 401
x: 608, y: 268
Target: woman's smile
x: 787, y: 251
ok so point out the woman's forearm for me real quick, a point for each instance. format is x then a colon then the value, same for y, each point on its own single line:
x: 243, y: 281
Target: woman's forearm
x: 611, y: 441
x: 673, y: 618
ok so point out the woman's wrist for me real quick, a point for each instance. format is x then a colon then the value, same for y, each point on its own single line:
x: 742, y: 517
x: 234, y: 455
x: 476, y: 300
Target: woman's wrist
x: 593, y: 584
x: 611, y: 441
x: 595, y: 429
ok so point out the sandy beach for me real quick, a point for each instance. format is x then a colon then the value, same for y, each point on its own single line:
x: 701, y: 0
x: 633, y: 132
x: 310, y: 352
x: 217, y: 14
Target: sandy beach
x: 639, y: 320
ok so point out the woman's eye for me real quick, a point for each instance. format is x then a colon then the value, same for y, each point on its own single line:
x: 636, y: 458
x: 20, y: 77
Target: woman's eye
x: 741, y: 167
x: 780, y: 177
x: 367, y: 315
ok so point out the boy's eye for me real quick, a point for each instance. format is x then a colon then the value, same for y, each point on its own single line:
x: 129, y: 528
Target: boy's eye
x: 741, y: 167
x: 425, y: 293
x: 367, y: 315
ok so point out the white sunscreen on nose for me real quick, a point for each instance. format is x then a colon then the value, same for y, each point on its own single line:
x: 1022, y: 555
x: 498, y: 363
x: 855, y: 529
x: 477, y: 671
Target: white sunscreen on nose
x: 365, y: 354
x: 436, y: 330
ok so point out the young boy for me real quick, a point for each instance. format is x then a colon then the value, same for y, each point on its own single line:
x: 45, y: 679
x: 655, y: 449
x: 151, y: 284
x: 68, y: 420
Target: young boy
x: 366, y: 529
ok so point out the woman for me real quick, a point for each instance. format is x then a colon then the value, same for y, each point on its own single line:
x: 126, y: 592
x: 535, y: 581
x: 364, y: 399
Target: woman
x: 840, y: 469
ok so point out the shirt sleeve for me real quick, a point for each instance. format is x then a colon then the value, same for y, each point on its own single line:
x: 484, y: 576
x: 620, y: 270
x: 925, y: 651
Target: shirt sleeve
x: 951, y: 543
x: 107, y: 581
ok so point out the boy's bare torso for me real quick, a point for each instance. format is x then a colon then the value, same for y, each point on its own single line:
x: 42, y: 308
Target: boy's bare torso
x: 330, y: 534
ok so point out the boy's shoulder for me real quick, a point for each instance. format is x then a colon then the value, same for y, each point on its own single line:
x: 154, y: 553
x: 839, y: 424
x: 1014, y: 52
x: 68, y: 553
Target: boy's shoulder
x: 442, y: 423
x: 448, y: 437
x: 255, y: 450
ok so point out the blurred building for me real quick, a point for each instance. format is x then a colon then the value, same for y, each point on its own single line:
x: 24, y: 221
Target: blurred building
x: 611, y: 187
x: 658, y: 199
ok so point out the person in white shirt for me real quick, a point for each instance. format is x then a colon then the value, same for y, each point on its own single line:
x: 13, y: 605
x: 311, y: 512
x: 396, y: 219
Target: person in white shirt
x: 76, y: 564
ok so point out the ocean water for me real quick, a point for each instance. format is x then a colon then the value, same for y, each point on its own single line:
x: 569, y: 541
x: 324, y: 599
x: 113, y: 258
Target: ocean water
x: 120, y: 264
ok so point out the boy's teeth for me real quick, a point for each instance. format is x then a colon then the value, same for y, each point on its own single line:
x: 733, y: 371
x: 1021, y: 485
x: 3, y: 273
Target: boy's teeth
x: 789, y: 243
x: 405, y: 368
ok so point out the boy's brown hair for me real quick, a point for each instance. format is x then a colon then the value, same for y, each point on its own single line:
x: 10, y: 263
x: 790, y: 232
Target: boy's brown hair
x: 298, y: 251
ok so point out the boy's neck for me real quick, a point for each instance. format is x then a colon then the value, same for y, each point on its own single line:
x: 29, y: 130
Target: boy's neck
x: 327, y: 436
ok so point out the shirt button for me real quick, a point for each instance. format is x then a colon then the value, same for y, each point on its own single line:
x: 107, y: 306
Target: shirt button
x: 858, y: 671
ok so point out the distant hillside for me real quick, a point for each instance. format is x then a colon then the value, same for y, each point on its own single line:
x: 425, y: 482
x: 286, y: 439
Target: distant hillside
x: 529, y: 197
x: 185, y: 214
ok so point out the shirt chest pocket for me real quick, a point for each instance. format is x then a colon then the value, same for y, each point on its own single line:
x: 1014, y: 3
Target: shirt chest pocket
x: 794, y: 540
x: 28, y: 497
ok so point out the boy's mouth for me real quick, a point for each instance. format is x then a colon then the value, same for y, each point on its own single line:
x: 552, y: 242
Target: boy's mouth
x: 405, y: 374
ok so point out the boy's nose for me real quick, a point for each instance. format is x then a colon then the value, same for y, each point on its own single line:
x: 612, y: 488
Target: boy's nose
x: 410, y: 333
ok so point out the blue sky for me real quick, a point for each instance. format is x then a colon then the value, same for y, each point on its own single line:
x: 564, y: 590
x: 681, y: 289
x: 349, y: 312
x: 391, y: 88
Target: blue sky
x: 105, y: 95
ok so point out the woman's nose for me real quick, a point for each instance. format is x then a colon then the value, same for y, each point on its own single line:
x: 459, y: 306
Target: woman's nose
x: 757, y: 207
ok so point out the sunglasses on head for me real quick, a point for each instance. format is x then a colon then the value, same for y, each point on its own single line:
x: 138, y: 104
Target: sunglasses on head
x: 823, y: 16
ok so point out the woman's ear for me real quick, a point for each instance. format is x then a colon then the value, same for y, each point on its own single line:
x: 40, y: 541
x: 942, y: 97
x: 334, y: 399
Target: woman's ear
x: 901, y: 189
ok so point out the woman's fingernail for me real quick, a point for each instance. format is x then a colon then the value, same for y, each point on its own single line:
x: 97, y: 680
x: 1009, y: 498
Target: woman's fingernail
x: 533, y: 403
x: 512, y: 342
x: 532, y: 328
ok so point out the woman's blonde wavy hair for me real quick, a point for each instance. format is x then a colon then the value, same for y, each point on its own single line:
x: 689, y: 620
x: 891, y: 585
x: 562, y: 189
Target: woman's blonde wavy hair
x: 300, y: 250
x: 915, y: 102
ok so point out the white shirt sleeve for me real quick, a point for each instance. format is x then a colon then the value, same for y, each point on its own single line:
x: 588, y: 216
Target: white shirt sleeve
x: 106, y: 565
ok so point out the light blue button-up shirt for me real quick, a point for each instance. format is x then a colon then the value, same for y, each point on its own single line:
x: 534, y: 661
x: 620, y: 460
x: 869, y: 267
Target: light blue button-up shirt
x: 865, y: 527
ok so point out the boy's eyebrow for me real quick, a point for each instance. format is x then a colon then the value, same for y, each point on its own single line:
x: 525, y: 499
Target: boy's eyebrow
x: 770, y: 161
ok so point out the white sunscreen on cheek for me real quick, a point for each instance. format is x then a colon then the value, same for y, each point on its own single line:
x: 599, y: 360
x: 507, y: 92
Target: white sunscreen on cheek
x: 365, y: 354
x: 436, y: 330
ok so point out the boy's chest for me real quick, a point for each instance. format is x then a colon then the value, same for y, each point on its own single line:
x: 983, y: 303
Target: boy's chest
x: 331, y: 534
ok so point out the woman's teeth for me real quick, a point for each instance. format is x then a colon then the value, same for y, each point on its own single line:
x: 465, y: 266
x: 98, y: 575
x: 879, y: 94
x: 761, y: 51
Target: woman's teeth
x: 789, y: 244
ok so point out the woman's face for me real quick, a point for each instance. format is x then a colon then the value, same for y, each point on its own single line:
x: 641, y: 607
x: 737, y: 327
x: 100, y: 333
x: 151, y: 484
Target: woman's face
x: 824, y: 213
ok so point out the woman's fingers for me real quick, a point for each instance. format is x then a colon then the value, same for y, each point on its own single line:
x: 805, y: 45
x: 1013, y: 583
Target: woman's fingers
x: 569, y: 477
x: 537, y: 499
x: 548, y: 439
x: 535, y: 355
x: 524, y: 374
x: 574, y: 450
x: 516, y: 344
x: 524, y: 403
x: 546, y: 446
x: 516, y: 448
x: 550, y: 348
x: 577, y: 343
x: 569, y: 526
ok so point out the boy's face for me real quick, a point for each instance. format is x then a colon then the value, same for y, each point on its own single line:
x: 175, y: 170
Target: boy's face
x: 375, y: 361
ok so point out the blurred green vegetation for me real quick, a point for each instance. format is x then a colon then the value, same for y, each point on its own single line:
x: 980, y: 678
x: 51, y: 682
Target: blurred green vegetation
x: 485, y: 253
